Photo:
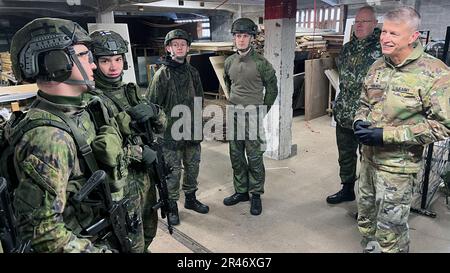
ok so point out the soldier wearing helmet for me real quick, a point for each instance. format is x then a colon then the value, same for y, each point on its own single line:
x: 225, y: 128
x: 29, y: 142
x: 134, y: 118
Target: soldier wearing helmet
x: 175, y: 84
x: 247, y: 74
x: 124, y: 103
x: 52, y: 156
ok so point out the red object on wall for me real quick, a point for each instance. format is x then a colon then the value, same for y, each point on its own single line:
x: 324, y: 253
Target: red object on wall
x: 276, y: 9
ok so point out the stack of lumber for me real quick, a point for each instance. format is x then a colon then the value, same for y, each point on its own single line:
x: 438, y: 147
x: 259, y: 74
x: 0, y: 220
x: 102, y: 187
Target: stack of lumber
x: 5, y: 61
x: 258, y: 42
x: 334, y: 43
x: 309, y: 42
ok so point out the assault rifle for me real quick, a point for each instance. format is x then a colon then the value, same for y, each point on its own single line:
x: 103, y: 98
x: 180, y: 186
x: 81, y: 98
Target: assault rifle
x: 114, y: 225
x: 159, y: 172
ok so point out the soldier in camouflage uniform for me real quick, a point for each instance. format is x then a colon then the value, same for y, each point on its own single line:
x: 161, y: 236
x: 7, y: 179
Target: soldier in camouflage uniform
x: 404, y: 106
x: 109, y: 50
x: 247, y: 74
x: 353, y: 62
x: 177, y: 83
x: 47, y: 160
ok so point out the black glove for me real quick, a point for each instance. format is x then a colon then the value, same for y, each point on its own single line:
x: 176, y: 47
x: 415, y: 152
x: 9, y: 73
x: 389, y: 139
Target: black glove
x: 368, y: 136
x: 143, y: 112
x: 359, y: 124
x: 148, y: 156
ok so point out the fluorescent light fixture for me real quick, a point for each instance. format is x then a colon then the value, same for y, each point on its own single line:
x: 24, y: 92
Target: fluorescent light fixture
x: 191, y: 20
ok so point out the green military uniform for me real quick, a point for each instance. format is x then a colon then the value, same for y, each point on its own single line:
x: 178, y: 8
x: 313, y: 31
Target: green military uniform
x: 353, y: 63
x: 246, y: 77
x: 410, y: 101
x: 49, y: 173
x: 117, y: 97
x: 178, y: 84
x: 56, y: 144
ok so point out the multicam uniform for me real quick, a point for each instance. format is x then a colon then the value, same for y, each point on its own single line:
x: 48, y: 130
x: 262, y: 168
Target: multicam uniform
x: 353, y: 63
x: 246, y: 77
x: 410, y: 101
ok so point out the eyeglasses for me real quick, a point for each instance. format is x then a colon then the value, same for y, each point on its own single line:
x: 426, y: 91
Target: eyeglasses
x: 88, y: 53
x: 364, y: 21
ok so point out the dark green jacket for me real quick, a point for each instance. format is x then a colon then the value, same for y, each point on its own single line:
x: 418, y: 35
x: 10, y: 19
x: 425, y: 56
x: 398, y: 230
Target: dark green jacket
x: 353, y: 63
x: 177, y: 84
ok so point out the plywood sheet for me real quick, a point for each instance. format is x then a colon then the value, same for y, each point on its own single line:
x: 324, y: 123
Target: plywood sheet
x: 333, y: 77
x: 316, y: 87
x: 218, y: 65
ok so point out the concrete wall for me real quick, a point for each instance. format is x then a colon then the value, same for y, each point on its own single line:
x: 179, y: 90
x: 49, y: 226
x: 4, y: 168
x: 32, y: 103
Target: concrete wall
x: 220, y: 26
x: 435, y: 17
x: 221, y: 22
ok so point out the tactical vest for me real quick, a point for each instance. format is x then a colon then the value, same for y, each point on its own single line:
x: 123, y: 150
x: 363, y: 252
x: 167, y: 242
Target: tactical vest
x: 119, y: 100
x: 77, y: 215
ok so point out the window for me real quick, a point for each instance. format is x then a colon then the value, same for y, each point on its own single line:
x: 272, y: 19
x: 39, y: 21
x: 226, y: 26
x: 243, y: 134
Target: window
x: 323, y: 18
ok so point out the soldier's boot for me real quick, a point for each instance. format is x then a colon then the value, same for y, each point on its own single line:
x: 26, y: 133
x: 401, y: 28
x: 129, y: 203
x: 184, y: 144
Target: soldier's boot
x: 372, y: 247
x: 256, y: 205
x: 347, y: 193
x: 174, y: 219
x: 236, y: 198
x: 192, y: 203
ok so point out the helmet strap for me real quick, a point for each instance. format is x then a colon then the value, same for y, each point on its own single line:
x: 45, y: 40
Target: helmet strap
x: 179, y: 59
x: 89, y: 84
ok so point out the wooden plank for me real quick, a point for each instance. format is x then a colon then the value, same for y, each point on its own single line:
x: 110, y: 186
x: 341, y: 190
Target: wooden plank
x: 212, y: 46
x: 17, y: 89
x: 316, y: 87
x: 218, y: 65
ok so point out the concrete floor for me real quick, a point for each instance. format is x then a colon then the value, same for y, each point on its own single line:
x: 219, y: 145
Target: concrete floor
x: 295, y: 216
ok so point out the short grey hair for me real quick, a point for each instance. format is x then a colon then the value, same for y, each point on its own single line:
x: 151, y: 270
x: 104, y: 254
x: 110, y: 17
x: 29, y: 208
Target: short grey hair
x: 404, y: 14
x: 369, y: 8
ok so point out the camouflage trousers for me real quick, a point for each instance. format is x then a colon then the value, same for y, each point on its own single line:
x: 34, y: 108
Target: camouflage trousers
x: 182, y: 155
x: 142, y: 194
x: 347, y: 146
x: 246, y: 154
x: 384, y: 202
x: 248, y: 166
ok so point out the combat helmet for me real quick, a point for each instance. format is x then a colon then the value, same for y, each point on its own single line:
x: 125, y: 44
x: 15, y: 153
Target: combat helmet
x: 177, y: 34
x: 43, y: 49
x: 244, y: 25
x: 108, y: 43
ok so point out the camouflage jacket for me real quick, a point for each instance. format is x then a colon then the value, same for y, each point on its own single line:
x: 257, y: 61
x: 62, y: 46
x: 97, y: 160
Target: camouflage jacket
x: 49, y: 172
x: 176, y: 84
x: 118, y: 98
x: 247, y: 76
x: 410, y: 101
x: 353, y: 63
